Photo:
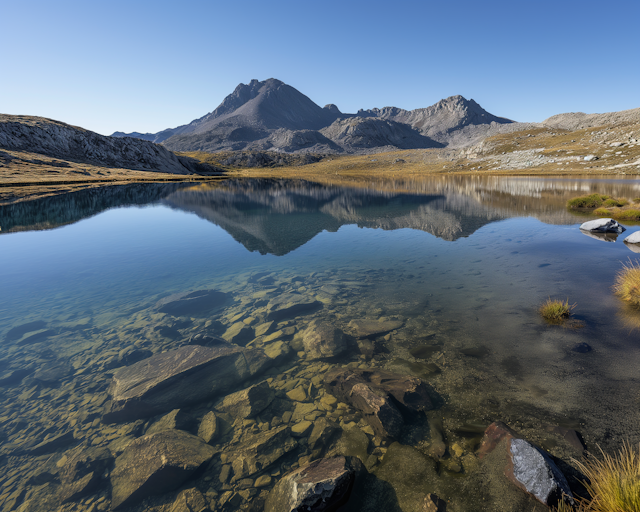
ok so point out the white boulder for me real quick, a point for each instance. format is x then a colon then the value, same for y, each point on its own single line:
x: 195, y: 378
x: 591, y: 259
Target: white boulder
x: 633, y: 238
x: 603, y: 226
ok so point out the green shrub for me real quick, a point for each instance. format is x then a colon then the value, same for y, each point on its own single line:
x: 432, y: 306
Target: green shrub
x: 592, y: 201
x: 626, y: 214
x: 611, y: 203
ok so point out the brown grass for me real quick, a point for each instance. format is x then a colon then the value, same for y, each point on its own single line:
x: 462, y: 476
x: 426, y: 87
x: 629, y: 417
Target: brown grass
x: 627, y: 284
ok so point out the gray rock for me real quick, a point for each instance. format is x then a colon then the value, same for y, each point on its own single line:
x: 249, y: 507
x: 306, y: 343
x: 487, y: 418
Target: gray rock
x: 249, y: 402
x: 291, y: 305
x: 257, y: 452
x: 322, y: 339
x: 633, y: 238
x: 321, y: 486
x: 156, y: 464
x: 590, y: 158
x: 180, y: 377
x: 533, y: 470
x: 195, y: 303
x: 602, y: 226
x: 366, y: 327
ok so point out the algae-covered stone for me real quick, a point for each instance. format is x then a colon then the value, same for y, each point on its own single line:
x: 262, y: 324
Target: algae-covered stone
x: 249, y: 402
x: 297, y: 394
x: 190, y: 500
x: 208, y: 429
x: 322, y: 339
x: 411, y: 474
x: 180, y: 377
x: 301, y: 429
x: 176, y: 419
x: 239, y: 334
x: 259, y: 451
x: 156, y: 464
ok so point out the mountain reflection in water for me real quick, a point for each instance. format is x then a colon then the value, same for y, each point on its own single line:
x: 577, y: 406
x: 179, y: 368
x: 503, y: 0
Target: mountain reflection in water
x: 277, y: 216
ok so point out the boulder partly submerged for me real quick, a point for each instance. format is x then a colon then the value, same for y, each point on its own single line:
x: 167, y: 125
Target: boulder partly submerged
x: 633, y: 241
x: 185, y: 376
x: 602, y: 226
x: 195, y: 303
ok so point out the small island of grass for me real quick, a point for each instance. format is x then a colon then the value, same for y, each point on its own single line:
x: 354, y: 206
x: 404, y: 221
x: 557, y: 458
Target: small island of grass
x: 556, y: 311
x: 606, y: 206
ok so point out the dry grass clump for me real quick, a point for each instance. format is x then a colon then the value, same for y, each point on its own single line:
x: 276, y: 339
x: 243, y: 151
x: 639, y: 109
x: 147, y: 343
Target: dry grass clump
x: 613, y: 482
x: 627, y: 284
x: 591, y: 201
x: 556, y: 311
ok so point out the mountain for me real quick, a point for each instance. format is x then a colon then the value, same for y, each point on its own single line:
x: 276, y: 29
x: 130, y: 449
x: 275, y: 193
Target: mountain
x: 59, y: 140
x: 272, y: 115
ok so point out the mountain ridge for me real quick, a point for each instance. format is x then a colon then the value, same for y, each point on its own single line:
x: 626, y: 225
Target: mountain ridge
x: 249, y: 117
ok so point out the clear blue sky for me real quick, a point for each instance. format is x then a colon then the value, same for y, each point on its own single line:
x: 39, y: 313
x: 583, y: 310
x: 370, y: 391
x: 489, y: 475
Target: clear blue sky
x: 145, y: 66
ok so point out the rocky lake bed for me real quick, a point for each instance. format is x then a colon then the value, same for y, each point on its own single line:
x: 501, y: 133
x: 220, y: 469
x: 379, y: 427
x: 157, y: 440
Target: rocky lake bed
x: 371, y: 351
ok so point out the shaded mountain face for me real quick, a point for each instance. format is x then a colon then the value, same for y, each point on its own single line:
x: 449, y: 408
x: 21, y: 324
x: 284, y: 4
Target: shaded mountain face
x: 272, y: 115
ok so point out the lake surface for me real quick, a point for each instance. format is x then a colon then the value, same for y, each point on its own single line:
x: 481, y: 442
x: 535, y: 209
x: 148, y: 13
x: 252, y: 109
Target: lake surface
x: 458, y: 266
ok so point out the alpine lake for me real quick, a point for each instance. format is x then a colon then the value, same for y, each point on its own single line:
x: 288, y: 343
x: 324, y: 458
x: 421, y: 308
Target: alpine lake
x: 184, y: 347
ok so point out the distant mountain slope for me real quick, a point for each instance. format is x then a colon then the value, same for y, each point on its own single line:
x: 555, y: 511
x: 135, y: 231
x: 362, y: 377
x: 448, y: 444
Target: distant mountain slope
x: 580, y: 120
x: 60, y: 140
x: 272, y: 115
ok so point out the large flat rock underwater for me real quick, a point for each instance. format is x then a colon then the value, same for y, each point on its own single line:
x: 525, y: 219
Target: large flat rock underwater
x: 180, y: 377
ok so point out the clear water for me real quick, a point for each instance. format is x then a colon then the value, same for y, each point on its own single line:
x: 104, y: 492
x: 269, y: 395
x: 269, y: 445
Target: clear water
x: 463, y: 263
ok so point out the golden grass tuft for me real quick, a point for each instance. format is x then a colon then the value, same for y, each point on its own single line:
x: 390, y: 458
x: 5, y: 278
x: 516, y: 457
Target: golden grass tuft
x: 627, y: 284
x: 613, y: 482
x: 556, y: 311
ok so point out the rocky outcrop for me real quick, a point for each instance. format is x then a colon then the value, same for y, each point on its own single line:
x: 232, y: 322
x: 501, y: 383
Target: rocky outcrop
x: 156, y: 464
x: 60, y: 140
x: 322, y: 486
x: 180, y: 377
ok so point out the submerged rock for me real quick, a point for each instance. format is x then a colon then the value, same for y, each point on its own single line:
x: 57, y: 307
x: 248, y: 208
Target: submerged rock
x: 190, y: 500
x: 366, y: 327
x: 602, y: 226
x: 322, y: 339
x: 249, y: 402
x: 291, y: 305
x: 19, y: 331
x: 156, y: 464
x: 180, y: 377
x: 322, y: 486
x: 259, y: 451
x: 192, y: 303
x: 208, y: 429
x: 379, y: 395
x: 176, y: 419
x: 82, y: 471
